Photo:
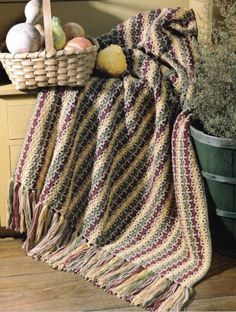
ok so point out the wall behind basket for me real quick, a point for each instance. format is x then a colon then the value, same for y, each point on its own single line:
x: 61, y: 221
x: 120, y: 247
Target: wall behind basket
x: 97, y: 17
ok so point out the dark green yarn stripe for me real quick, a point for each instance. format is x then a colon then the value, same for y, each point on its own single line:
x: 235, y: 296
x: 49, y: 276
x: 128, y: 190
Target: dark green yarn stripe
x: 120, y: 143
x: 42, y: 145
x: 116, y: 169
x: 85, y: 138
x: 119, y: 169
x: 159, y: 194
x: 163, y: 253
x: 117, y: 202
x: 65, y: 150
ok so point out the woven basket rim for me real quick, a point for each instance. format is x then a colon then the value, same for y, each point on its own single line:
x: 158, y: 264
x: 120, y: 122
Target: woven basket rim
x: 45, y: 54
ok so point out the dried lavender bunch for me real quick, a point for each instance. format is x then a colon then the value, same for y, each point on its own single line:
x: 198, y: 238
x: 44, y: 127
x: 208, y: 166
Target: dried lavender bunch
x: 213, y: 101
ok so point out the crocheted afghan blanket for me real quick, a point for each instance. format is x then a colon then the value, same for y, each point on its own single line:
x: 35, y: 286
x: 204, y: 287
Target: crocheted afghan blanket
x: 107, y: 184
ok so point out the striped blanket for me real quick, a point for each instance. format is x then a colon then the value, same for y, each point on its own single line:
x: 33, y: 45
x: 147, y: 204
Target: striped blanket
x: 107, y: 184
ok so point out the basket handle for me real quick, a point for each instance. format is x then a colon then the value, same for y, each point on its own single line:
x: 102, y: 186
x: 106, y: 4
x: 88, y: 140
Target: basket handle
x: 47, y: 21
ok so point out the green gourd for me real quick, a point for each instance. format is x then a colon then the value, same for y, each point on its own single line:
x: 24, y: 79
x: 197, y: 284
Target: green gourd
x: 59, y: 37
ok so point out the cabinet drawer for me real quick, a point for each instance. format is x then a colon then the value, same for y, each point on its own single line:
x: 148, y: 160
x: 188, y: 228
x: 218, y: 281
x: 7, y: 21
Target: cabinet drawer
x: 19, y: 111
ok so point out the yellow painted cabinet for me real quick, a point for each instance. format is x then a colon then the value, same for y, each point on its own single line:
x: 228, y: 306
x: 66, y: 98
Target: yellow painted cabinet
x: 15, y: 112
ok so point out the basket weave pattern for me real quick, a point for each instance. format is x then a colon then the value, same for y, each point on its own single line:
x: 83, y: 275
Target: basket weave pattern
x: 63, y: 68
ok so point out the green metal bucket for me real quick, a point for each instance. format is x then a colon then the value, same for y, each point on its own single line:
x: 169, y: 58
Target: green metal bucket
x: 217, y: 159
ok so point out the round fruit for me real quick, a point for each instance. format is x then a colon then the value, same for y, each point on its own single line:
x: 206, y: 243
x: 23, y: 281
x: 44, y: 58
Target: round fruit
x: 112, y: 60
x: 73, y: 30
x: 78, y: 43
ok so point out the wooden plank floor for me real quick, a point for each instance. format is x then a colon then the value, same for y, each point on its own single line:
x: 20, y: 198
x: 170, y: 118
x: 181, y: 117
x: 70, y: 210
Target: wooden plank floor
x: 27, y: 285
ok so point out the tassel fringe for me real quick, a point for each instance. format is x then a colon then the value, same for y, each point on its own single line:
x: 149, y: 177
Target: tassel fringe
x: 21, y: 204
x: 133, y: 283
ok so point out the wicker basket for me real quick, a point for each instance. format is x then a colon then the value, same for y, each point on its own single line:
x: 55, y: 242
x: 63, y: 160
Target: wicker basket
x: 50, y: 67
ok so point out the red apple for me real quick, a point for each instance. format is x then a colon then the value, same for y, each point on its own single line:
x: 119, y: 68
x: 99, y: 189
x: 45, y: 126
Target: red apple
x: 78, y: 43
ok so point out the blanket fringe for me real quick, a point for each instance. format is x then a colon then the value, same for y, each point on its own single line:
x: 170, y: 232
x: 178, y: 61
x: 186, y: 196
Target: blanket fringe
x: 129, y: 281
x: 57, y: 235
x: 21, y: 204
x: 53, y: 240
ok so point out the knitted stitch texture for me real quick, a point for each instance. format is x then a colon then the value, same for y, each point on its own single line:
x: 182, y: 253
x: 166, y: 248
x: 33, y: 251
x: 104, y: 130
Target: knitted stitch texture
x: 107, y: 184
